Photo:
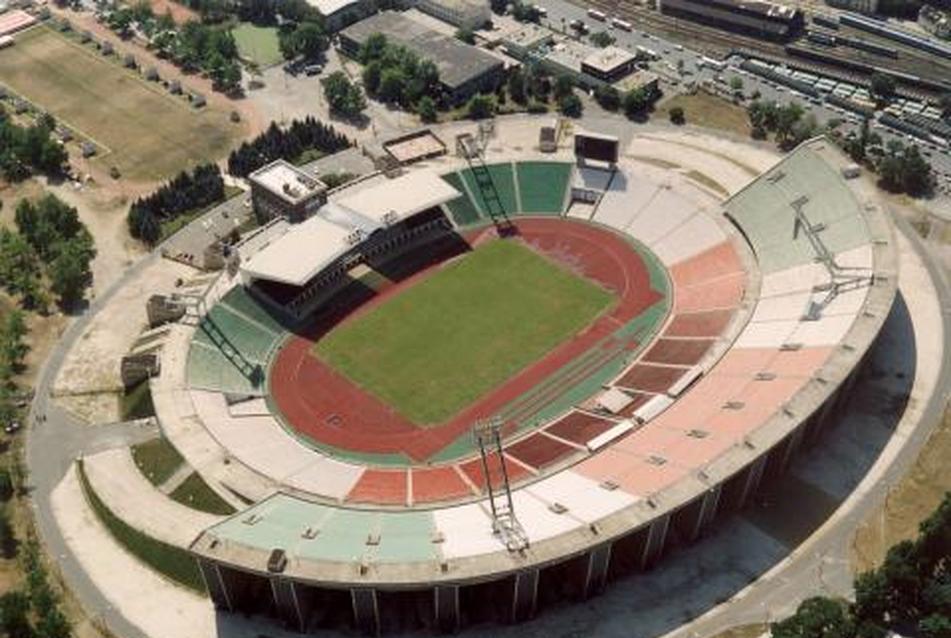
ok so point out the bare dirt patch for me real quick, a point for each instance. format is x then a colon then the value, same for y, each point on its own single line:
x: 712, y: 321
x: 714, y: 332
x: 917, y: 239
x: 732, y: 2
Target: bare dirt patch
x: 708, y: 111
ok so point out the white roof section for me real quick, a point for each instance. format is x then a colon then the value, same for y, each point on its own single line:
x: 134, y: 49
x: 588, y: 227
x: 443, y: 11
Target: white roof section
x: 397, y: 199
x: 329, y: 7
x: 287, y: 181
x: 302, y: 252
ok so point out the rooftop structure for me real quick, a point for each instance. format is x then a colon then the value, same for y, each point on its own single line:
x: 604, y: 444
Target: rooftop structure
x: 609, y: 64
x: 305, y: 249
x: 282, y: 189
x: 526, y: 38
x: 463, y: 69
x: 415, y: 147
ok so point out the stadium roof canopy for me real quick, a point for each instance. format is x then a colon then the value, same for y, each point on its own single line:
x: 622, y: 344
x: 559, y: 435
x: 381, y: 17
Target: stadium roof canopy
x: 305, y: 249
x: 300, y: 253
x: 398, y: 199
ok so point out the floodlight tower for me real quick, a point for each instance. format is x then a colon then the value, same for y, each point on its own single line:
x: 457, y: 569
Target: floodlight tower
x: 488, y: 435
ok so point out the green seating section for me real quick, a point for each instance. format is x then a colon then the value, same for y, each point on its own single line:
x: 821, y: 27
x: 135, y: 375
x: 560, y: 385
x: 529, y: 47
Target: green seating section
x: 765, y: 213
x: 240, y: 299
x: 542, y: 186
x: 503, y: 178
x: 210, y: 369
x: 232, y: 345
x: 463, y: 211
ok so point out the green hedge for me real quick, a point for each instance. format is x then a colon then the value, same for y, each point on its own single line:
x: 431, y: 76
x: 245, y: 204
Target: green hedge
x: 170, y: 561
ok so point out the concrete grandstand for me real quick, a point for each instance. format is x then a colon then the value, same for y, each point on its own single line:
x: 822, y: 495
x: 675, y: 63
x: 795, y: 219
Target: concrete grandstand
x: 737, y: 330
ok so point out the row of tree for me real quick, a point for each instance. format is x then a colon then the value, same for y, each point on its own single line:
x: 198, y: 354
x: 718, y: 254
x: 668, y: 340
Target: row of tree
x: 901, y: 169
x: 910, y: 593
x: 789, y: 123
x: 287, y: 143
x: 193, y: 46
x: 50, y: 245
x: 25, y: 149
x: 185, y: 193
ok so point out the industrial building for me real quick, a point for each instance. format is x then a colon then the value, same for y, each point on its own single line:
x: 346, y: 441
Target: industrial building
x: 588, y: 66
x: 766, y: 20
x: 464, y: 70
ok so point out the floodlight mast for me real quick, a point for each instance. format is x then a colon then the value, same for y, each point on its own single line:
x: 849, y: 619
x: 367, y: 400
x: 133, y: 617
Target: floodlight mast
x: 841, y: 278
x: 504, y: 523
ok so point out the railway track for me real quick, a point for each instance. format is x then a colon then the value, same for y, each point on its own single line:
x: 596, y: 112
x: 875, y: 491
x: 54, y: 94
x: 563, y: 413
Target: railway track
x: 718, y: 43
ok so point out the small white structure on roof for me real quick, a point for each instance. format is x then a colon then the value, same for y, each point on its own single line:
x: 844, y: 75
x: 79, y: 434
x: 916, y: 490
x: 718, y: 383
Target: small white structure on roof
x: 614, y: 400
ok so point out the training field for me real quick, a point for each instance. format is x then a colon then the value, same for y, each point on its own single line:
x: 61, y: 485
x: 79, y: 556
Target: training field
x: 258, y: 44
x: 147, y: 133
x: 438, y: 346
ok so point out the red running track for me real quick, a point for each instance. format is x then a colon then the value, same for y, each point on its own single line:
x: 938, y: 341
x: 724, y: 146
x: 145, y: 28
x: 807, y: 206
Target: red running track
x: 323, y: 405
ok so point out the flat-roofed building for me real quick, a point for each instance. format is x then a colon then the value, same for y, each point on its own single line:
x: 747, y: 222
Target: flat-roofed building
x: 465, y: 14
x: 520, y: 42
x: 609, y: 64
x: 640, y: 79
x: 464, y: 70
x: 280, y: 189
x: 341, y: 13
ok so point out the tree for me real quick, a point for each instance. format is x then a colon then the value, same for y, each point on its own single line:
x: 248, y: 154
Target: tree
x: 466, y: 35
x: 70, y: 274
x: 736, y: 84
x: 426, y: 108
x: 602, y: 39
x: 608, y: 97
x: 310, y: 40
x: 945, y: 103
x: 636, y: 102
x: 373, y: 48
x: 570, y: 105
x: 816, y: 618
x: 882, y: 86
x: 517, y: 87
x: 563, y: 86
x: 342, y: 95
x: 935, y: 626
x: 392, y: 83
x: 480, y: 107
x: 677, y: 115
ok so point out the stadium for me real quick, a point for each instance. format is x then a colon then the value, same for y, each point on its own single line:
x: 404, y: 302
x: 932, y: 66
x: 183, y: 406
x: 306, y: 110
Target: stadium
x: 486, y: 385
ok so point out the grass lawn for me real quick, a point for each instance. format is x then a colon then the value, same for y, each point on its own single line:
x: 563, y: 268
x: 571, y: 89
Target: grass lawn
x: 703, y: 109
x: 195, y: 493
x: 443, y: 343
x: 157, y: 459
x: 170, y: 561
x: 258, y: 44
x: 140, y: 128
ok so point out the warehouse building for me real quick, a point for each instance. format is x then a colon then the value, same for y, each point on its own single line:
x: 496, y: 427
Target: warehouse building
x: 464, y: 70
x: 766, y: 20
x: 340, y: 13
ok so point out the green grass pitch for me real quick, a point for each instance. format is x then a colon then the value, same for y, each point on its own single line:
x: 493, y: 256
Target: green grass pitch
x: 436, y: 347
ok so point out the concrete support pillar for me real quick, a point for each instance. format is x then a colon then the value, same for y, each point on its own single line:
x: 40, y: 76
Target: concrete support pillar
x: 656, y: 536
x: 286, y: 603
x: 366, y: 611
x: 215, y: 584
x: 754, y: 473
x: 793, y: 443
x: 597, y: 573
x: 708, y: 509
x: 447, y: 609
x: 525, y: 595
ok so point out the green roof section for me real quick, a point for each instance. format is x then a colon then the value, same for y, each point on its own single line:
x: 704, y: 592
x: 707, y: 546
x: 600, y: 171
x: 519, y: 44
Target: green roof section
x: 765, y: 211
x: 502, y: 177
x: 313, y: 531
x: 462, y: 209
